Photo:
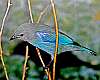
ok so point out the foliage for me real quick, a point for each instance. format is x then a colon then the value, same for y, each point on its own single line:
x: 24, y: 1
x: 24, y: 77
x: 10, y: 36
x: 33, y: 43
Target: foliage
x: 14, y: 67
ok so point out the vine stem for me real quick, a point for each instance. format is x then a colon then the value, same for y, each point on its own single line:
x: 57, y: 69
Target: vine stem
x: 1, y: 31
x: 26, y: 59
x: 56, y: 30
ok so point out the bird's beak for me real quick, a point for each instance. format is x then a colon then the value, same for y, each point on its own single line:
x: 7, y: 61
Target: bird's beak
x: 13, y: 37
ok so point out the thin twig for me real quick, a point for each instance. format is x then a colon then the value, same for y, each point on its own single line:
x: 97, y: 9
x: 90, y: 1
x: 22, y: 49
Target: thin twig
x: 26, y: 59
x: 42, y: 13
x: 30, y: 11
x: 47, y: 71
x: 56, y: 30
x: 1, y: 30
x: 5, y: 16
x: 5, y: 70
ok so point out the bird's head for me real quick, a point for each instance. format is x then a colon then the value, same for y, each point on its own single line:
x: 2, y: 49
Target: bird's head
x: 24, y: 32
x: 27, y: 31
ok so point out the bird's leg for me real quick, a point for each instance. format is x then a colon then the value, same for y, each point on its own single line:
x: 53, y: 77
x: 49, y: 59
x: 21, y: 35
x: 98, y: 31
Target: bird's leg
x: 48, y: 65
x: 50, y: 62
x: 45, y: 68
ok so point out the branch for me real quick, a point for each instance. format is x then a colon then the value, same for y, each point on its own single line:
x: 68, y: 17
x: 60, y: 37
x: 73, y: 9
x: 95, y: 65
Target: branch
x: 1, y: 31
x: 30, y: 11
x: 42, y: 13
x: 47, y: 71
x: 56, y: 30
x: 26, y: 59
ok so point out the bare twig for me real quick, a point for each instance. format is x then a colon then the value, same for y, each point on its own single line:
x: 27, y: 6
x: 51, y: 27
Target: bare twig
x: 47, y: 71
x: 26, y: 59
x: 38, y: 51
x: 30, y: 11
x: 1, y: 30
x: 4, y: 18
x: 42, y: 13
x: 56, y: 30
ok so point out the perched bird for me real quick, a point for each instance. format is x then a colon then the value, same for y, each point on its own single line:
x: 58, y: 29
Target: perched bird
x: 43, y: 37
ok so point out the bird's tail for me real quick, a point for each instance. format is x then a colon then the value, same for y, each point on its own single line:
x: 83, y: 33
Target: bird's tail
x: 88, y: 50
x: 82, y: 48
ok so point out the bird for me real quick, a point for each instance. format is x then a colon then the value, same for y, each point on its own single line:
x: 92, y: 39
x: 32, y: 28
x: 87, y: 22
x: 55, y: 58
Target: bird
x: 43, y: 37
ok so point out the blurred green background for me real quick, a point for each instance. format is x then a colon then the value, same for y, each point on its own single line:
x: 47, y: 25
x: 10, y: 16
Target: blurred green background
x: 80, y: 19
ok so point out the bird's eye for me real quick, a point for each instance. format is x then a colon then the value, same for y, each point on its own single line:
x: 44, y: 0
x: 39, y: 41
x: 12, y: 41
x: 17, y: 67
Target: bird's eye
x: 21, y: 34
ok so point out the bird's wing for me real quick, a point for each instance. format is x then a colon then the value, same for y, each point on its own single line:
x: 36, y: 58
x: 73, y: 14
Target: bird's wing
x: 47, y: 41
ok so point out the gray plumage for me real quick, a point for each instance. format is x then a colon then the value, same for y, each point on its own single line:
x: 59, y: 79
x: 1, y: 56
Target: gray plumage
x: 43, y: 37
